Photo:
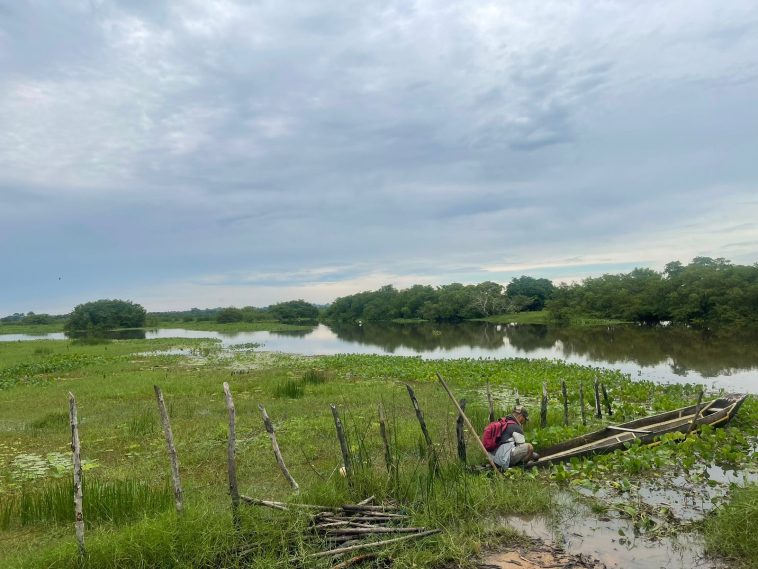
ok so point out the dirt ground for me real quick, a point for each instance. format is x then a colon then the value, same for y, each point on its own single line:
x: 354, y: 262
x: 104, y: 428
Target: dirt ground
x: 538, y: 555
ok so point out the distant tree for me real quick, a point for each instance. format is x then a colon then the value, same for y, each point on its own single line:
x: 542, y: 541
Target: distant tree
x: 539, y: 290
x: 32, y: 318
x: 294, y: 310
x: 106, y: 315
x: 229, y: 315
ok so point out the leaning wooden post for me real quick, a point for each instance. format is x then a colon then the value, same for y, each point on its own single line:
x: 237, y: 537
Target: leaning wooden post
x: 607, y: 400
x: 77, y: 460
x: 343, y: 444
x: 518, y: 399
x: 565, y: 403
x: 172, y: 456
x: 581, y: 403
x: 468, y: 423
x: 490, y: 403
x: 543, y: 406
x: 385, y: 440
x: 231, y: 457
x: 697, y: 412
x: 460, y: 433
x: 419, y: 415
x: 277, y: 453
x: 598, y: 410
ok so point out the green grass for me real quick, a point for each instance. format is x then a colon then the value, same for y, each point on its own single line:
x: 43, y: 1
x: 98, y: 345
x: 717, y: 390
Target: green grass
x: 124, y: 445
x: 31, y: 328
x: 732, y: 531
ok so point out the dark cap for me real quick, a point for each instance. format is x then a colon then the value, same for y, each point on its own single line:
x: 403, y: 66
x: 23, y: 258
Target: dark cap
x: 521, y: 410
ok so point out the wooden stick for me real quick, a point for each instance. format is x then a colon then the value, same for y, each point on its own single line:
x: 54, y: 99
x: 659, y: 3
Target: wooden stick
x: 376, y: 529
x: 343, y: 444
x: 77, y: 461
x: 468, y: 423
x: 543, y: 406
x: 598, y: 410
x: 581, y: 403
x: 607, y: 400
x: 354, y: 560
x: 490, y: 403
x: 367, y: 501
x: 460, y: 434
x: 230, y: 456
x: 341, y: 550
x: 383, y: 432
x: 277, y: 453
x: 518, y: 399
x: 172, y: 456
x: 419, y: 415
x: 697, y: 412
x: 368, y: 508
x: 565, y: 403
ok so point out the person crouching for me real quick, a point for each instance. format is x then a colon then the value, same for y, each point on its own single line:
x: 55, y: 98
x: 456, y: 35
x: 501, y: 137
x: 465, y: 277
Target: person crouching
x: 512, y: 448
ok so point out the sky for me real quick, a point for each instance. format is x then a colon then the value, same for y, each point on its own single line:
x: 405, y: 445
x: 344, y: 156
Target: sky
x: 203, y: 153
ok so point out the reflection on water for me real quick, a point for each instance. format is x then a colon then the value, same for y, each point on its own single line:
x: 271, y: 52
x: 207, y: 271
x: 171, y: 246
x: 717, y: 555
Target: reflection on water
x: 724, y: 359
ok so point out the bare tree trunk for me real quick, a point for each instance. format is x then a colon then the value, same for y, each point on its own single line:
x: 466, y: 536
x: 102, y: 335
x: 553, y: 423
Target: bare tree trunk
x: 343, y: 445
x: 385, y: 440
x: 460, y: 433
x: 565, y: 403
x: 231, y: 458
x: 277, y: 453
x: 581, y: 403
x: 77, y: 460
x: 490, y: 403
x: 172, y: 456
x: 543, y: 406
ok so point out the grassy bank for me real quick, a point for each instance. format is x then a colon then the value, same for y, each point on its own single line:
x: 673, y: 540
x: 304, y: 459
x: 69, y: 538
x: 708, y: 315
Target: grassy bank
x: 126, y: 463
x: 31, y: 328
x: 732, y: 531
x: 230, y: 327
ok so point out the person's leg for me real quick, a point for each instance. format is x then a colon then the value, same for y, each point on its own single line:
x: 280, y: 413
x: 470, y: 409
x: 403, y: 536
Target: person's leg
x: 521, y: 454
x: 501, y: 456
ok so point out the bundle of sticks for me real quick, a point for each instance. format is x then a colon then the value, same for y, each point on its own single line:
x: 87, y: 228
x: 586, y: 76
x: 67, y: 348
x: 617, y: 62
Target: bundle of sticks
x: 354, y: 527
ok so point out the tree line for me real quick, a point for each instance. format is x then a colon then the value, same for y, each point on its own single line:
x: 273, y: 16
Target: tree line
x: 446, y: 303
x: 704, y: 293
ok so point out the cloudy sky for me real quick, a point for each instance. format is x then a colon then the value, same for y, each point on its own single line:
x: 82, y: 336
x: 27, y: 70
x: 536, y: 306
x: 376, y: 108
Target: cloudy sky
x: 211, y: 152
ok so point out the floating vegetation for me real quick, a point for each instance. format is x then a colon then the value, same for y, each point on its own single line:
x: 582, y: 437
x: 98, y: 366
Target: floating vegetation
x: 35, y: 372
x: 247, y: 346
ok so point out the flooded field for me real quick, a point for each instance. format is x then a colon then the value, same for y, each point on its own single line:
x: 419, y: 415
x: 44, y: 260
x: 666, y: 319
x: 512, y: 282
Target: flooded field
x: 668, y: 355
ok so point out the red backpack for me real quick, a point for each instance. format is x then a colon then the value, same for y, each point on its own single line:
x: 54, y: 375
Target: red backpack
x: 493, y: 431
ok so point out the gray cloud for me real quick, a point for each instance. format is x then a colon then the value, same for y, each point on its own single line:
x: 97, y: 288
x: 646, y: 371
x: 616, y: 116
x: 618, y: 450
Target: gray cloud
x: 224, y: 142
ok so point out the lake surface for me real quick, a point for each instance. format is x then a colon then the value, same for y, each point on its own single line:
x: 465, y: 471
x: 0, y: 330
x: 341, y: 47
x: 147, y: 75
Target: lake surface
x: 718, y: 359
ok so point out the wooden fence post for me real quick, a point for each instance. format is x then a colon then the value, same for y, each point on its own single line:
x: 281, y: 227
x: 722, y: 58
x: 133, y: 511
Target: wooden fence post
x: 598, y: 409
x: 468, y: 423
x: 419, y: 416
x: 172, y: 456
x: 565, y: 403
x: 77, y: 460
x: 490, y: 403
x: 277, y: 453
x: 581, y: 403
x: 543, y: 406
x: 231, y: 457
x: 518, y: 399
x: 385, y: 440
x: 343, y: 445
x: 460, y: 433
x: 607, y: 400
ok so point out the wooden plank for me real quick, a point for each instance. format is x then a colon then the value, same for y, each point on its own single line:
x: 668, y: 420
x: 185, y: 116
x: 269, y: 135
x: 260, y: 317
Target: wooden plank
x: 617, y: 428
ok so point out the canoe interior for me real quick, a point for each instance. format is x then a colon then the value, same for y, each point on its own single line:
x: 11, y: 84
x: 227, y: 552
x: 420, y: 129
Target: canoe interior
x: 715, y: 412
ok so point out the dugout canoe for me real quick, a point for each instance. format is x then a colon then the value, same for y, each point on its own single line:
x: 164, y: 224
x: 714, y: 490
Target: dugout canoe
x: 717, y: 412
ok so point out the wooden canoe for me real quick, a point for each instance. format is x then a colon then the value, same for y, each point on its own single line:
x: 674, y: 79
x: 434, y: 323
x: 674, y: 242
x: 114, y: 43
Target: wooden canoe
x: 717, y: 412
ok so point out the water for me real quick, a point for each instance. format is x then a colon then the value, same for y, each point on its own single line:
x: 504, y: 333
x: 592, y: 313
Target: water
x: 718, y: 359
